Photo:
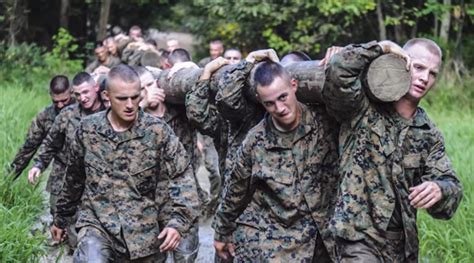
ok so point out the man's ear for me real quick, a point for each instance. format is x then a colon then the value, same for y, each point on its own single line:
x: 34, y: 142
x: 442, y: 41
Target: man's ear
x: 105, y: 94
x: 294, y: 84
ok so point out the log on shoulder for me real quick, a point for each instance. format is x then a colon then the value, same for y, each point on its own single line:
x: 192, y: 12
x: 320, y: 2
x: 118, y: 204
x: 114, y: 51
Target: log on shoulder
x: 386, y: 80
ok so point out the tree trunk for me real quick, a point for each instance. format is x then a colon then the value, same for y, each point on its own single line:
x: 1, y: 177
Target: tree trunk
x: 63, y: 15
x: 445, y: 22
x: 103, y: 19
x: 381, y: 21
x: 17, y: 18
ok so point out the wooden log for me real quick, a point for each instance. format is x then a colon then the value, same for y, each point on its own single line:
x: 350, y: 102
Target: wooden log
x: 386, y: 80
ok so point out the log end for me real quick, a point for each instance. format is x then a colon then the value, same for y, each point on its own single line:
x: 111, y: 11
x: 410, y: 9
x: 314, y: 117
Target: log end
x: 387, y: 78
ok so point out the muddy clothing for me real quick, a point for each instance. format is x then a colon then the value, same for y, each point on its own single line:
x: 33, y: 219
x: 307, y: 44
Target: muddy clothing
x: 382, y: 156
x: 38, y: 130
x: 286, y: 185
x: 56, y: 142
x: 96, y: 246
x: 119, y: 182
x: 111, y: 62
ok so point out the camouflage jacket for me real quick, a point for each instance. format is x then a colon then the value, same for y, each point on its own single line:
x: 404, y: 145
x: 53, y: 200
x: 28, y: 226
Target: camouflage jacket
x: 240, y: 113
x: 286, y: 187
x: 382, y: 156
x: 119, y: 181
x: 112, y: 61
x: 204, y: 115
x: 175, y: 117
x: 55, y: 145
x: 38, y: 130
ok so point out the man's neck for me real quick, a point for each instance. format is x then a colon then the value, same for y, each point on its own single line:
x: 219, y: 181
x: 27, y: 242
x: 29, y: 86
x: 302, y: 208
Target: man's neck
x: 406, y: 107
x: 118, y: 125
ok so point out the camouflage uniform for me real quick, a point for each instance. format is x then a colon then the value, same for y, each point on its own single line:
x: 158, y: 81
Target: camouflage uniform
x: 38, y: 130
x: 119, y: 182
x: 286, y: 184
x: 112, y: 61
x: 189, y: 244
x: 55, y: 145
x: 382, y: 156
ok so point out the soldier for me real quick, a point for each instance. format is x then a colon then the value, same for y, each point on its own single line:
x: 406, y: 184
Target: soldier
x: 62, y: 130
x: 216, y: 49
x: 174, y: 115
x: 60, y: 93
x: 124, y: 165
x: 285, y: 177
x: 233, y: 55
x: 103, y: 58
x: 393, y: 160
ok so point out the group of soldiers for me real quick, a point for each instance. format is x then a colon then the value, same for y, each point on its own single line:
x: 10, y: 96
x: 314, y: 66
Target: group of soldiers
x: 340, y: 180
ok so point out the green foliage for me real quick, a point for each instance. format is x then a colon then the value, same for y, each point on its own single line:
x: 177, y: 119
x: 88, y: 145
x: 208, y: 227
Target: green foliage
x: 20, y: 203
x: 26, y: 64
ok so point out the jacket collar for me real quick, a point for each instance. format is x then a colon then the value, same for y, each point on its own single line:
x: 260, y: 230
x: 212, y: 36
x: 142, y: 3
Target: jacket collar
x: 272, y: 139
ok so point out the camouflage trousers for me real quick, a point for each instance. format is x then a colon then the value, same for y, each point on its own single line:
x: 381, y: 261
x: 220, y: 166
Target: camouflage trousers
x: 95, y: 246
x: 188, y: 247
x: 249, y: 247
x: 391, y: 251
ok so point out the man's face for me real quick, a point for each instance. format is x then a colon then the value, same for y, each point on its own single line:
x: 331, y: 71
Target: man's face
x: 172, y: 45
x: 101, y: 53
x: 135, y: 34
x: 233, y: 56
x: 279, y: 100
x: 424, y: 69
x: 61, y: 100
x: 111, y: 46
x: 215, y: 50
x: 86, y: 95
x: 124, y: 99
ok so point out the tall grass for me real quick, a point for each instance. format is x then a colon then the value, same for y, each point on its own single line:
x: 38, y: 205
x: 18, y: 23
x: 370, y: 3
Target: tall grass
x: 20, y: 203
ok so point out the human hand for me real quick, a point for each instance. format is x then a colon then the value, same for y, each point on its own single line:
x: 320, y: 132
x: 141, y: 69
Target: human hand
x: 212, y: 67
x: 390, y: 47
x: 33, y: 174
x: 100, y: 70
x: 425, y: 195
x: 224, y: 250
x: 262, y: 54
x: 155, y: 97
x: 172, y: 238
x: 329, y: 53
x: 179, y: 66
x: 58, y: 234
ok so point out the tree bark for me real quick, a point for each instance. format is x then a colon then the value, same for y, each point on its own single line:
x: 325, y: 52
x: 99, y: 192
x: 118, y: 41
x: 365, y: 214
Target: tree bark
x: 445, y: 22
x: 17, y: 20
x: 387, y: 80
x: 381, y: 21
x: 64, y: 14
x: 103, y: 19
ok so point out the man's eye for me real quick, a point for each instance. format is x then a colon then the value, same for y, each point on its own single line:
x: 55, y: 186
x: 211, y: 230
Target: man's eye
x: 268, y: 104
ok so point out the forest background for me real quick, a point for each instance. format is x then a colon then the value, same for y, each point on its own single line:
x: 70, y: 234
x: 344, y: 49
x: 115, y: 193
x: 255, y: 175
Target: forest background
x: 40, y: 38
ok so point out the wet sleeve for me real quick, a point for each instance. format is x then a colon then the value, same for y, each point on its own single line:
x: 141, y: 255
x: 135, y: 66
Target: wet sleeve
x: 230, y: 99
x: 36, y: 133
x: 236, y: 196
x: 342, y: 91
x: 52, y: 143
x: 200, y: 112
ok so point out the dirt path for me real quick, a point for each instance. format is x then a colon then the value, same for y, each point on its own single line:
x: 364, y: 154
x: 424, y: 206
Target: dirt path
x: 206, y: 234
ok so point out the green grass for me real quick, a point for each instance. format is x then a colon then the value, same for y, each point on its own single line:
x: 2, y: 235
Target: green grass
x: 20, y: 203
